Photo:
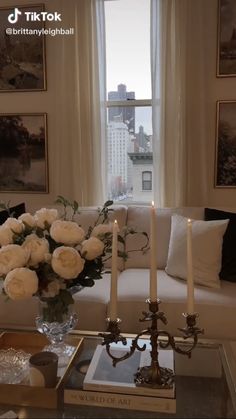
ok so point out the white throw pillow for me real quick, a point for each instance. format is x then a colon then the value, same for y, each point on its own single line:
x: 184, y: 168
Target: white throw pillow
x: 207, y: 239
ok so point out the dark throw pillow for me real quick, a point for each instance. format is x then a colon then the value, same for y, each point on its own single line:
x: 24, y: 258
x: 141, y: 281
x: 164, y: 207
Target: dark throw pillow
x: 228, y: 267
x: 15, y: 211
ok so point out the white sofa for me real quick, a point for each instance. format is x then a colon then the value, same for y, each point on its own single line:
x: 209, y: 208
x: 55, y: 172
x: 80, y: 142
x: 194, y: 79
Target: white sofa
x: 216, y: 307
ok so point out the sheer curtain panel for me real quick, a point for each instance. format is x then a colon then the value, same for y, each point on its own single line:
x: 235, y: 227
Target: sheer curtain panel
x: 80, y: 158
x: 168, y: 64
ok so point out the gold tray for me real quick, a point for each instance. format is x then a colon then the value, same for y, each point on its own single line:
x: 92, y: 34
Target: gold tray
x: 23, y: 394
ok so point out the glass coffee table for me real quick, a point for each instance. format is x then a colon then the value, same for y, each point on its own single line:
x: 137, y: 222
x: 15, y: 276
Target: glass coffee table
x: 205, y: 385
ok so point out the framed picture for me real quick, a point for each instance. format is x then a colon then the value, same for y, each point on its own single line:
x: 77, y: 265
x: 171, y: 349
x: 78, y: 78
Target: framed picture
x: 225, y: 160
x: 22, y: 54
x: 226, y: 54
x: 23, y: 153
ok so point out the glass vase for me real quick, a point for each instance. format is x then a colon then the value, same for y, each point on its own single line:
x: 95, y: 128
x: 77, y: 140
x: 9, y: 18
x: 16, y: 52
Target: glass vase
x: 56, y: 325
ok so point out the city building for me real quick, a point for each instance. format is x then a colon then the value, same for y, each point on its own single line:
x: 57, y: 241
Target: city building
x: 119, y: 173
x: 142, y: 140
x: 142, y: 176
x: 127, y: 113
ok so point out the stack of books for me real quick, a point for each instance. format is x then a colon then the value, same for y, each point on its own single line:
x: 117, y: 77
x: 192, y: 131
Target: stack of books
x: 108, y: 386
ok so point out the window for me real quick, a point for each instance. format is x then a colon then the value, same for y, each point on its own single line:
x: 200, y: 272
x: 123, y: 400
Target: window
x: 129, y: 113
x: 146, y: 181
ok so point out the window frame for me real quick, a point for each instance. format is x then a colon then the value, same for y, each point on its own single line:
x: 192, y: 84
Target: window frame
x: 149, y: 181
x: 128, y: 102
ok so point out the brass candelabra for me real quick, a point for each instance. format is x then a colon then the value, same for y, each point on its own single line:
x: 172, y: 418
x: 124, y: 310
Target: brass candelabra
x: 152, y: 375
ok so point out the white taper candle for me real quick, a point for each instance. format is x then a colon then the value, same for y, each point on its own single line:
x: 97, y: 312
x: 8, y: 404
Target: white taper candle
x: 153, y: 255
x: 190, y: 283
x: 113, y: 289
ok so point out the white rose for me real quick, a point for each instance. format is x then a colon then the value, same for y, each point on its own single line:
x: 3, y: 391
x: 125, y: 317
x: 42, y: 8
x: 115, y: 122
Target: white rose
x: 12, y: 256
x: 21, y: 283
x: 102, y: 229
x: 45, y: 215
x: 92, y: 248
x: 27, y: 219
x: 15, y: 225
x: 66, y: 232
x: 53, y: 289
x: 37, y: 247
x: 6, y: 235
x: 67, y: 262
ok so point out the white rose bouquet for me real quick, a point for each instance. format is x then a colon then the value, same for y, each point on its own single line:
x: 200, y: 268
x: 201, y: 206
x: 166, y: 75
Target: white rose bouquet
x: 49, y: 256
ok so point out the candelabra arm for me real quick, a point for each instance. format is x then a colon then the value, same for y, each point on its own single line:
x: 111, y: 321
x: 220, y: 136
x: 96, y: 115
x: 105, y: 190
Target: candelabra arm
x: 171, y: 342
x: 134, y: 345
x: 189, y: 331
x: 113, y: 333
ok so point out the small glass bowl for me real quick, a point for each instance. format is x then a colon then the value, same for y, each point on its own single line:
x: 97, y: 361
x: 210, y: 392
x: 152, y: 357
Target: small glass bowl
x: 13, y: 365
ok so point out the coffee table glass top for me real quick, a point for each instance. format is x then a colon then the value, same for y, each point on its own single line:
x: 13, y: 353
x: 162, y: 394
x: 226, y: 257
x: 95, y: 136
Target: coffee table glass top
x: 205, y: 386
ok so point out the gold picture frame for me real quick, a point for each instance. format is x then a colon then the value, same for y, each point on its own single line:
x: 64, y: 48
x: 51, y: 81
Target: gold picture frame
x: 226, y: 40
x: 22, y: 54
x: 225, y: 150
x: 23, y: 153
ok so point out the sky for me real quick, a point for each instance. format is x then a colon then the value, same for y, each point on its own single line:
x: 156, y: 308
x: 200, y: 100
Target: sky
x: 127, y: 46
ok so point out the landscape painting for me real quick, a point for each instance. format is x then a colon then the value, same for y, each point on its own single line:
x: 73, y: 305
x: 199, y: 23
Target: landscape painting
x: 23, y: 153
x: 226, y: 63
x: 22, y: 54
x: 225, y: 163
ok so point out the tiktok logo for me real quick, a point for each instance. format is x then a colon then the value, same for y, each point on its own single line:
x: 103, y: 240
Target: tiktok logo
x: 13, y: 17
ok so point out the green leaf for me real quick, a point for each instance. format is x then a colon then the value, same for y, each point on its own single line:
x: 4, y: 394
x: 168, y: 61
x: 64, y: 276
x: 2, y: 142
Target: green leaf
x: 75, y: 206
x: 59, y: 200
x: 122, y: 255
x: 108, y: 203
x: 108, y: 234
x: 120, y: 239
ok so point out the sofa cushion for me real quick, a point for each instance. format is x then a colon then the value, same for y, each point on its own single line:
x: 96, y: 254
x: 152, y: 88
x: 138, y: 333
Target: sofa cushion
x: 88, y: 216
x: 216, y: 307
x: 139, y: 218
x: 90, y: 304
x: 228, y: 268
x: 16, y: 314
x: 207, y: 239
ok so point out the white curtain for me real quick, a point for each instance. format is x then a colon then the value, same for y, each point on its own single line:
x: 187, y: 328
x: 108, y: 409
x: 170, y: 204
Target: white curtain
x: 168, y: 63
x: 99, y: 100
x: 178, y: 58
x: 80, y: 104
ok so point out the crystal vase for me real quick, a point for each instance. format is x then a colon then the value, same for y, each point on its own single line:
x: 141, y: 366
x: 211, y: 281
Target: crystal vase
x: 56, y: 324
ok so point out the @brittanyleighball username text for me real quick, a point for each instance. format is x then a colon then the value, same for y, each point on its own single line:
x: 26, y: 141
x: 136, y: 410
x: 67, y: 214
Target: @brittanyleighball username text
x: 40, y: 32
